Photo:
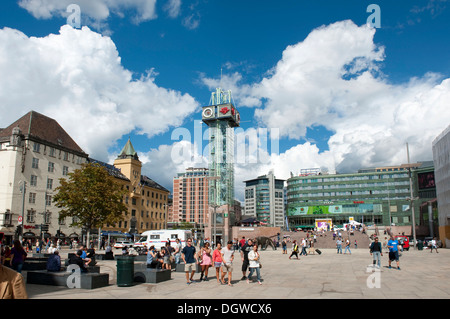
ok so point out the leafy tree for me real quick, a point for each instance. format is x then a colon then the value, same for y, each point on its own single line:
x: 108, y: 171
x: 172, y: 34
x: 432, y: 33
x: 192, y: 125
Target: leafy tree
x: 90, y: 195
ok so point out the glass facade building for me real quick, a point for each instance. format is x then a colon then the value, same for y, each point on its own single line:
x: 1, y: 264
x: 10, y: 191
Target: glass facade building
x: 441, y: 156
x: 380, y: 196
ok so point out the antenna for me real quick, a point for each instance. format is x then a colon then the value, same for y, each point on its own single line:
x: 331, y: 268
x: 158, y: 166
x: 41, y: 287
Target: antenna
x: 220, y: 77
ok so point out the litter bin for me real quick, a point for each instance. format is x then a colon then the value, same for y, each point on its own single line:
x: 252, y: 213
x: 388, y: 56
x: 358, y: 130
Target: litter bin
x: 125, y: 271
x: 420, y: 245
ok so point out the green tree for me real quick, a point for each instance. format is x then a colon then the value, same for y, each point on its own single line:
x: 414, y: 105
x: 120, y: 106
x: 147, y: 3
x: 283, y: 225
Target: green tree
x: 92, y: 196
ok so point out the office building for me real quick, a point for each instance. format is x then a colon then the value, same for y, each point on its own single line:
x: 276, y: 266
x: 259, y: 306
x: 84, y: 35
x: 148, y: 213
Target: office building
x: 264, y: 199
x: 379, y: 196
x: 441, y: 157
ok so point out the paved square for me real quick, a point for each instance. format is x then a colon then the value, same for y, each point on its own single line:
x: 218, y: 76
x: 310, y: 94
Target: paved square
x: 327, y: 276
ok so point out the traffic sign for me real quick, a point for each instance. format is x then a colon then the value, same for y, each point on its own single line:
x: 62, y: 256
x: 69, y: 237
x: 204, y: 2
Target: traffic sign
x: 20, y: 219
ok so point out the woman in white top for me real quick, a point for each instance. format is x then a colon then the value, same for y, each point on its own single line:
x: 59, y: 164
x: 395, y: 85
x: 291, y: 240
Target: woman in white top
x: 254, y: 259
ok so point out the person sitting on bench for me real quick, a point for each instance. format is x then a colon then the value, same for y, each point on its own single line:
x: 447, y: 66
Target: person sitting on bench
x: 152, y: 258
x: 77, y: 260
x: 54, y: 262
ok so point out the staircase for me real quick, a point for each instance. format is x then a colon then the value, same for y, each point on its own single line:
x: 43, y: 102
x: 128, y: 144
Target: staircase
x: 326, y: 239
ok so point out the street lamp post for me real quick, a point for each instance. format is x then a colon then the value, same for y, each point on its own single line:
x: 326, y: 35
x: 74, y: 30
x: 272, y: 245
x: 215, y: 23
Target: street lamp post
x: 412, y: 198
x: 23, y: 190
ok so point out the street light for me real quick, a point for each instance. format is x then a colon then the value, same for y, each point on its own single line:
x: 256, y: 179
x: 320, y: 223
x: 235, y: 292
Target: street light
x: 412, y: 197
x: 23, y: 190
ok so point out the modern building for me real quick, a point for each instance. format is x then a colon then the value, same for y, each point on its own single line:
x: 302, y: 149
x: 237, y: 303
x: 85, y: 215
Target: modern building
x: 379, y: 196
x: 35, y: 152
x: 221, y: 117
x: 264, y: 199
x: 190, y: 198
x: 441, y: 157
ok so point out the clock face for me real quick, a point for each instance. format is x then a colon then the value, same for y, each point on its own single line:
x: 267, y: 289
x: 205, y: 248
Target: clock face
x: 208, y: 112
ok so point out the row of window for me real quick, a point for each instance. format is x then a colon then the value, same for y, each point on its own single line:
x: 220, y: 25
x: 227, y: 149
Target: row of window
x: 52, y: 153
x: 147, y: 215
x: 347, y: 178
x: 386, y: 185
x: 50, y: 167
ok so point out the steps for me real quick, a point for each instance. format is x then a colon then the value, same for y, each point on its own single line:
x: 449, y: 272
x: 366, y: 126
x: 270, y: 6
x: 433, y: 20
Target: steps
x: 326, y: 240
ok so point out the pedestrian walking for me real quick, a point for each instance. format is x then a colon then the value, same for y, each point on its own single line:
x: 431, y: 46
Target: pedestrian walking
x: 339, y: 245
x: 217, y: 261
x: 248, y: 246
x: 356, y: 244
x: 433, y: 245
x: 167, y: 253
x: 177, y: 253
x: 284, y: 246
x: 18, y: 255
x: 206, y: 262
x: 188, y: 255
x: 255, y: 264
x: 376, y: 251
x: 227, y: 266
x: 347, y: 247
x: 303, y: 252
x: 294, y: 249
x: 393, y: 252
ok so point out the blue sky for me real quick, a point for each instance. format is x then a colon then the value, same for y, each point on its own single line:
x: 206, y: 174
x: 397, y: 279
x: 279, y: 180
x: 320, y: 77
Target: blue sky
x: 405, y: 60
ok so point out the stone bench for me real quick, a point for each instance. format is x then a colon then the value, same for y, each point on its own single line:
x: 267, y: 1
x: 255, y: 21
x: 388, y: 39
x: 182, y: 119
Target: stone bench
x: 87, y: 280
x: 151, y: 275
x: 34, y: 265
x: 104, y: 256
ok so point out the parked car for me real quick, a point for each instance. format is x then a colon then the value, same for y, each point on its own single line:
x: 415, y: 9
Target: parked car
x: 122, y: 244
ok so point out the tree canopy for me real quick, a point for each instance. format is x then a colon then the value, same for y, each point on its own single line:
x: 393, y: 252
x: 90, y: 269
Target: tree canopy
x: 90, y: 195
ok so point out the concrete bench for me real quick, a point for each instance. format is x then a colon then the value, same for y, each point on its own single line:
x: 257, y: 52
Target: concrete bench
x: 87, y: 280
x: 104, y: 256
x: 151, y: 275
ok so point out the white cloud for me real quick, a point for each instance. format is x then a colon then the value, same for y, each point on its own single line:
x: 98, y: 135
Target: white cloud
x: 76, y: 77
x: 173, y: 8
x: 333, y: 79
x: 94, y: 11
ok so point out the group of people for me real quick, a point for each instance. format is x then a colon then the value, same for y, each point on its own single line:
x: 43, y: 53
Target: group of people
x: 165, y: 257
x: 377, y: 252
x: 221, y: 258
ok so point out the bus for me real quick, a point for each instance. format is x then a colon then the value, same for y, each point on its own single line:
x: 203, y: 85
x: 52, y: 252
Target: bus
x: 158, y: 238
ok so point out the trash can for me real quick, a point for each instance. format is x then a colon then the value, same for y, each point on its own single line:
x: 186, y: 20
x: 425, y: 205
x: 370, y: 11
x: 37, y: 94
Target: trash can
x: 420, y: 245
x: 125, y: 271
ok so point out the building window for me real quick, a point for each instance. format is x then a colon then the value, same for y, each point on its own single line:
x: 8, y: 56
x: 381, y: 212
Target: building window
x: 35, y: 163
x: 33, y: 180
x: 31, y: 215
x: 52, y: 152
x: 8, y: 218
x: 32, y: 198
x: 36, y: 147
x: 47, y: 217
x: 66, y: 156
x: 48, y: 200
x: 51, y: 167
x: 65, y: 171
x: 49, y: 183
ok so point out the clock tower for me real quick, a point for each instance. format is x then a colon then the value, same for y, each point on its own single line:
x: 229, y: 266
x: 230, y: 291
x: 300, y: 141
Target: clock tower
x: 221, y: 117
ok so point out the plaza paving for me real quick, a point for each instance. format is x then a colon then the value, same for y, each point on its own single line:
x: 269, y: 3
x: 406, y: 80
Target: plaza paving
x: 423, y: 275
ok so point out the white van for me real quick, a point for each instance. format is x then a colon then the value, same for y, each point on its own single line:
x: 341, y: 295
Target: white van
x: 158, y: 238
